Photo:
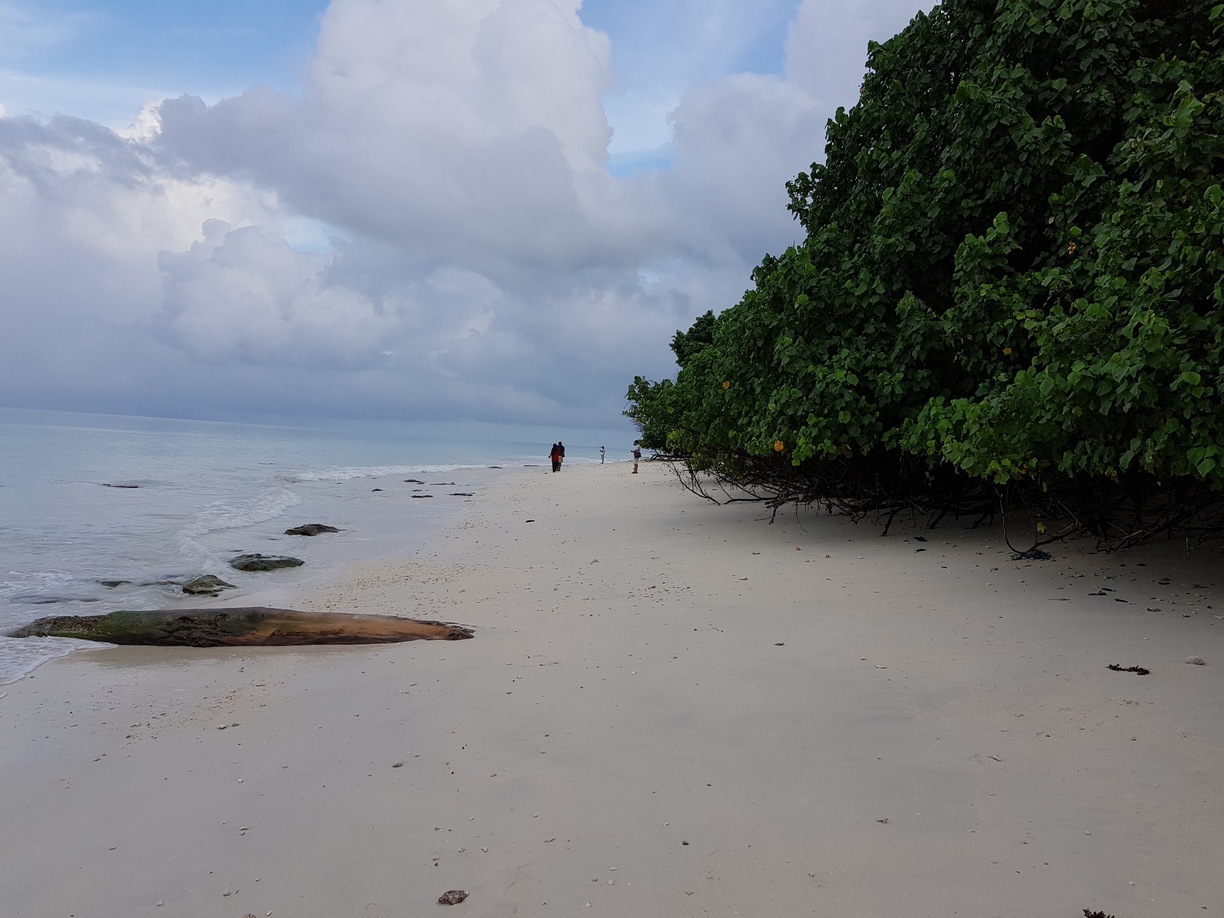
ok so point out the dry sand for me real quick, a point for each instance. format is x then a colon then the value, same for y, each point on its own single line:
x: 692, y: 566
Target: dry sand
x: 670, y: 708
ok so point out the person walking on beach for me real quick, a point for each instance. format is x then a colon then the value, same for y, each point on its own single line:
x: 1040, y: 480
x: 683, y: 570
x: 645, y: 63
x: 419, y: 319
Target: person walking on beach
x: 601, y: 455
x: 555, y: 456
x: 561, y: 446
x: 637, y: 454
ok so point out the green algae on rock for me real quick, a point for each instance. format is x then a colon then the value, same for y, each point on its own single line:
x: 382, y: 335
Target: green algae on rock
x: 254, y: 561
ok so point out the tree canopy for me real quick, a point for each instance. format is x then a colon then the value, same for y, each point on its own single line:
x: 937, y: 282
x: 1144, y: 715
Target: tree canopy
x: 1011, y: 285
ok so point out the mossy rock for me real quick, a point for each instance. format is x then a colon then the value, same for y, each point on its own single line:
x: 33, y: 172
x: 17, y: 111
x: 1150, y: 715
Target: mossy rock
x: 207, y: 585
x: 257, y: 562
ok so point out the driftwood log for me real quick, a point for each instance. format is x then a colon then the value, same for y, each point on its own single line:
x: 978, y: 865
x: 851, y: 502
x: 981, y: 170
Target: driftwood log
x: 241, y: 627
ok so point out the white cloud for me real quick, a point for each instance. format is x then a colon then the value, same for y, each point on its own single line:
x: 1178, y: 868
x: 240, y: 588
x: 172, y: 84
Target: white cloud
x: 669, y: 47
x: 428, y: 230
x: 827, y: 44
x: 242, y: 296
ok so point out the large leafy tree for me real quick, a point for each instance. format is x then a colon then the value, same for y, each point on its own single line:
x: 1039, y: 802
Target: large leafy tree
x: 1012, y: 280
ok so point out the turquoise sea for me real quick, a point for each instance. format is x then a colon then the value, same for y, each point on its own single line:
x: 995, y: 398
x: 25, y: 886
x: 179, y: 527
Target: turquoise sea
x: 102, y: 512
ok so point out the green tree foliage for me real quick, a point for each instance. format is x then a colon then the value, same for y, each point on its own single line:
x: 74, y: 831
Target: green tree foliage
x: 650, y: 407
x: 1012, y: 277
x: 685, y: 344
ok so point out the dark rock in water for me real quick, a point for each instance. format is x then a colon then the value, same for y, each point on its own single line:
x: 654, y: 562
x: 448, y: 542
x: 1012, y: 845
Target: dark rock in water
x: 461, y: 494
x: 375, y: 490
x: 207, y: 585
x: 417, y: 496
x: 310, y: 529
x: 241, y: 627
x: 117, y: 484
x: 49, y: 599
x: 413, y: 481
x: 257, y: 562
x: 113, y: 584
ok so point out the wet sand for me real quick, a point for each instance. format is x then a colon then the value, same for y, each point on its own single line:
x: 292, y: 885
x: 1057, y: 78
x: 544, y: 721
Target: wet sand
x: 670, y: 708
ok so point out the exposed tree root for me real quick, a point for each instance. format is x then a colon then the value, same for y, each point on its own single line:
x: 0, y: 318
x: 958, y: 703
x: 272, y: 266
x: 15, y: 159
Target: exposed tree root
x: 1117, y: 513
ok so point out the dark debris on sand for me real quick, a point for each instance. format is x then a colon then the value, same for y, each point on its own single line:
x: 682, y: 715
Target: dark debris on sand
x: 1033, y: 554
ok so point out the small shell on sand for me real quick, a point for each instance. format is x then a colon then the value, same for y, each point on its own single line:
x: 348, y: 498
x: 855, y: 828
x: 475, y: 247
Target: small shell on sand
x: 1197, y: 661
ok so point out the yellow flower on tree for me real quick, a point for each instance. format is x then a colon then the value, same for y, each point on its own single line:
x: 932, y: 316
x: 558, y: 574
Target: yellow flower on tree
x: 726, y: 384
x: 779, y: 446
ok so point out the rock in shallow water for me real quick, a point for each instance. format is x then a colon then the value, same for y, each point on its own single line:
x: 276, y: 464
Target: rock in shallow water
x: 310, y: 529
x: 241, y: 627
x: 207, y: 585
x: 257, y: 562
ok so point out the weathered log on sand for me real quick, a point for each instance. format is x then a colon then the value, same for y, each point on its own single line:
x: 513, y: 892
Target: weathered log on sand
x: 243, y: 627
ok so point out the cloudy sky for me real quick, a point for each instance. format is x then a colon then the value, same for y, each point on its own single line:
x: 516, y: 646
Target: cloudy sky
x: 494, y: 210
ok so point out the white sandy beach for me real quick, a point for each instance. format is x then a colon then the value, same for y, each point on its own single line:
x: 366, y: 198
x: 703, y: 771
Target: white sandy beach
x: 670, y: 708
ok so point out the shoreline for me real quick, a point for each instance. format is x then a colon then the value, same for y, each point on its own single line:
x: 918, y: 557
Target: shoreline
x: 378, y: 519
x: 669, y: 708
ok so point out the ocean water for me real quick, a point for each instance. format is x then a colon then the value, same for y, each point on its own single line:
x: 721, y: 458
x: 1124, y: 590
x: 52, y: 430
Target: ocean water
x: 101, y: 512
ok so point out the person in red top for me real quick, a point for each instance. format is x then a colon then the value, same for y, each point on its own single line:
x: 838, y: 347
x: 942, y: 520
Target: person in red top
x: 555, y: 456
